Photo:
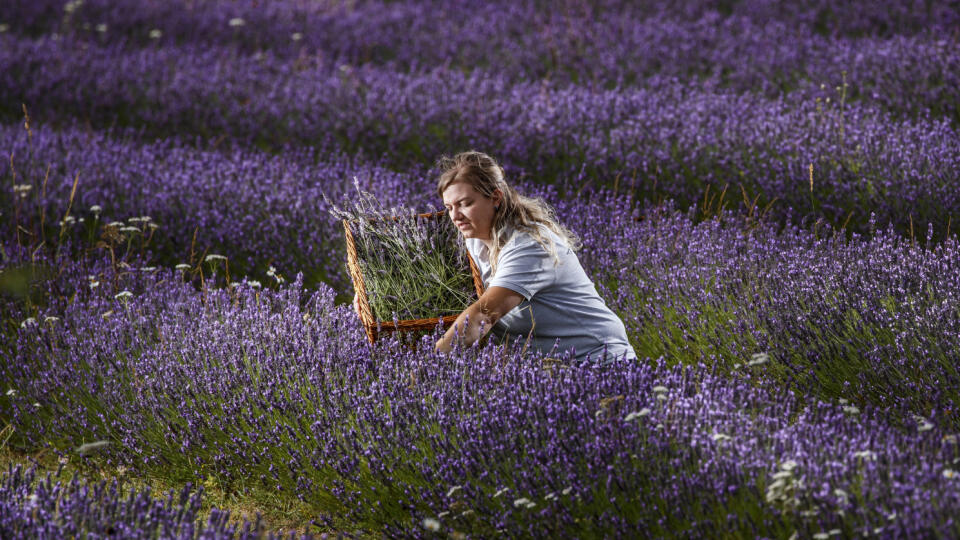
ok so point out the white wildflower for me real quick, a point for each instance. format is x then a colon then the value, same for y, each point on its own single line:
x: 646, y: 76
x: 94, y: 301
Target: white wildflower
x: 891, y: 516
x: 852, y: 410
x: 129, y: 229
x: 72, y: 6
x: 842, y: 495
x: 272, y: 272
x: 453, y: 490
x: 567, y: 490
x: 662, y: 397
x: 36, y: 404
x: 182, y: 266
x: 834, y: 532
x: 925, y: 426
x: 550, y: 496
x: 659, y: 389
x: 29, y: 321
x: 101, y: 28
x: 949, y: 474
x: 87, y: 448
x: 94, y: 284
x: 637, y: 414
x: 296, y: 36
x: 843, y: 401
x: 96, y: 209
x: 107, y: 314
x: 443, y: 514
x: 11, y: 392
x: 431, y: 524
x: 254, y: 283
x: 950, y: 438
x: 788, y: 465
x: 155, y: 33
x: 522, y: 501
x: 821, y: 536
x: 782, y: 475
x: 115, y: 224
x: 758, y: 359
x: 214, y: 257
x: 866, y: 455
x: 237, y: 21
x: 148, y: 268
x: 720, y: 437
x: 122, y: 295
x: 658, y: 426
x: 4, y: 28
x: 50, y: 320
x: 500, y: 492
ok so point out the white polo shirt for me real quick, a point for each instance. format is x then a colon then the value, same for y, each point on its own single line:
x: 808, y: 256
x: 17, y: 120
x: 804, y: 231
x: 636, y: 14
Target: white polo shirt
x: 561, y: 305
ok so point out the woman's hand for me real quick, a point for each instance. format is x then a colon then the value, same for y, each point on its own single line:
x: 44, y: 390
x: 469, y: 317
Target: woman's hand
x: 356, y: 302
x: 477, y: 320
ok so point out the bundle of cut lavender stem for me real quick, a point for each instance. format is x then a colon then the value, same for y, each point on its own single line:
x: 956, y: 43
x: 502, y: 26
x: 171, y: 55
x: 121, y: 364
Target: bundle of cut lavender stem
x: 413, y: 267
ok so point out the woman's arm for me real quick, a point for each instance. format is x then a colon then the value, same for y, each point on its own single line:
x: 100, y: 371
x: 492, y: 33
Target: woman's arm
x: 486, y: 311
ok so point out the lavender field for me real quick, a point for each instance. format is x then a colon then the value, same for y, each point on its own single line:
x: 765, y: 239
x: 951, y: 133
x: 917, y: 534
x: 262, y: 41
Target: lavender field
x: 765, y: 192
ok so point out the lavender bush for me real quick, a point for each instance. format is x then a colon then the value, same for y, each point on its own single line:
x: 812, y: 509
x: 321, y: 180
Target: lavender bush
x: 49, y: 507
x: 675, y: 141
x: 888, y: 49
x: 251, y: 387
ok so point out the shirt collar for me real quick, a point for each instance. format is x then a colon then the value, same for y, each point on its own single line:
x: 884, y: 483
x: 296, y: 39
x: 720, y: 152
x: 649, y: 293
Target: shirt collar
x: 483, y: 252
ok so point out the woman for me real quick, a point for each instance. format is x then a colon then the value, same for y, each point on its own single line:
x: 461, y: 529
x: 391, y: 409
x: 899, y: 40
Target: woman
x: 535, y: 288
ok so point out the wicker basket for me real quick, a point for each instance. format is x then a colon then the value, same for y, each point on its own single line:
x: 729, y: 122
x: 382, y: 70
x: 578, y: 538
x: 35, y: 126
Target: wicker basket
x: 373, y: 327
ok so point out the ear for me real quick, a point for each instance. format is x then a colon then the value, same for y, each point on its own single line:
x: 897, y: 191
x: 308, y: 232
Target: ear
x: 497, y: 197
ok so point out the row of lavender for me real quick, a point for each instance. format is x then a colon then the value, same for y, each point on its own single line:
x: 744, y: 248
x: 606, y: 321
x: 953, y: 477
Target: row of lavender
x: 50, y: 507
x: 673, y: 140
x: 249, y: 387
x: 821, y: 307
x: 903, y: 55
x: 269, y: 26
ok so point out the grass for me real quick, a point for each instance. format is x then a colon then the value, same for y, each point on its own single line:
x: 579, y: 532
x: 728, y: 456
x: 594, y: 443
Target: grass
x: 278, y: 514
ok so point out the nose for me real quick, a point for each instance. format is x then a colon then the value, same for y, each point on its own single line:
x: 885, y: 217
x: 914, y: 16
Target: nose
x: 455, y: 214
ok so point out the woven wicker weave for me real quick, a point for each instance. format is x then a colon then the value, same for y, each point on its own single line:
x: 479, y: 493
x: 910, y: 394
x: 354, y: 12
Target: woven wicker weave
x: 373, y: 327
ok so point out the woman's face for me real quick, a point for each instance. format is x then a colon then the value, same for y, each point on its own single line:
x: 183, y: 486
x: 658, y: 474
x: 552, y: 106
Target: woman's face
x: 471, y: 211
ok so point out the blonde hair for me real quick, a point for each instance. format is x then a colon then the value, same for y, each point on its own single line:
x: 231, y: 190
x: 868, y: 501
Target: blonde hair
x: 518, y: 211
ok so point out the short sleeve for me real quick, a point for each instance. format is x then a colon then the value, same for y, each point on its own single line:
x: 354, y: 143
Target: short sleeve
x: 524, y: 267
